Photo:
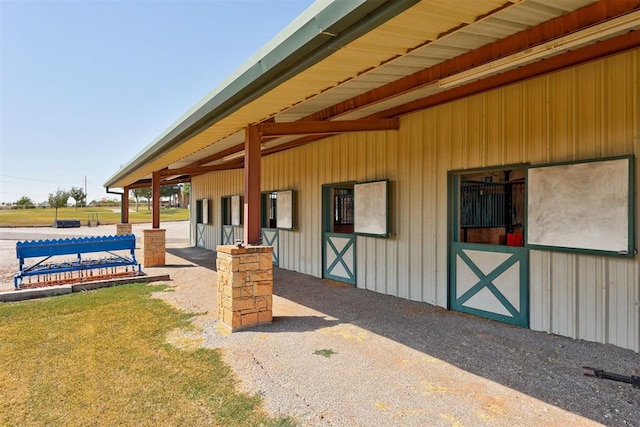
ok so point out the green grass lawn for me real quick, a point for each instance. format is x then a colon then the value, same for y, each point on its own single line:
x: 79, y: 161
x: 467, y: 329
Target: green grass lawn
x: 45, y: 217
x: 101, y: 358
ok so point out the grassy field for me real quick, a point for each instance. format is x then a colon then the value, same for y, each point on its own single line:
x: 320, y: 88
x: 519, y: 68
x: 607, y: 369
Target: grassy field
x: 45, y: 217
x: 101, y: 358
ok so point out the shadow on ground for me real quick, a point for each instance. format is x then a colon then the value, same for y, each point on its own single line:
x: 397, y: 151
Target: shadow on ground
x: 203, y: 257
x: 544, y: 366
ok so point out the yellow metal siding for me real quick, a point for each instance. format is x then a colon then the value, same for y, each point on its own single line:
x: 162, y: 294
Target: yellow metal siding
x: 583, y: 112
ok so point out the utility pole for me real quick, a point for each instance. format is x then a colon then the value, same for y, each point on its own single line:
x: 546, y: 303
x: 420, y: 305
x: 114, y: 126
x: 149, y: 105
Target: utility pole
x: 86, y: 196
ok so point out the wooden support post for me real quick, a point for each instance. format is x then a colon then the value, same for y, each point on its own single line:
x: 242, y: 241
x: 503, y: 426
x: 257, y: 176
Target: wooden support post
x: 124, y: 207
x: 252, y: 186
x: 155, y: 199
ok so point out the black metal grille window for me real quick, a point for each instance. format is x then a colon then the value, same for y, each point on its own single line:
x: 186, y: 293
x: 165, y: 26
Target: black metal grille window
x: 483, y: 204
x: 517, y: 205
x: 273, y: 197
x: 343, y: 205
x: 226, y: 210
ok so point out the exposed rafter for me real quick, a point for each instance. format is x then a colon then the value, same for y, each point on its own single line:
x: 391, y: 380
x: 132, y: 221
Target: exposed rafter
x: 271, y: 130
x: 573, y: 21
x: 579, y: 56
x: 192, y: 170
x: 325, y: 127
x: 217, y: 156
x: 608, y: 47
x: 292, y: 144
x: 146, y: 183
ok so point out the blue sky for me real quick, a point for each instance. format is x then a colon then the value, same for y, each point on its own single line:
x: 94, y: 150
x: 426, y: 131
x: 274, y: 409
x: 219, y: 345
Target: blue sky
x: 86, y: 84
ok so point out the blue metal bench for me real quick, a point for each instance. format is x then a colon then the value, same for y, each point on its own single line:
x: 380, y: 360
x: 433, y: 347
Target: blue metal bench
x: 49, y: 248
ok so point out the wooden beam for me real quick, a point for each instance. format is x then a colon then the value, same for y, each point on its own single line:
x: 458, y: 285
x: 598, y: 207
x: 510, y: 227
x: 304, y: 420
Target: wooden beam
x: 155, y: 200
x: 143, y: 183
x: 295, y: 143
x: 146, y: 183
x: 324, y: 127
x: 217, y: 156
x: 252, y: 186
x: 124, y: 206
x: 179, y: 180
x: 190, y: 170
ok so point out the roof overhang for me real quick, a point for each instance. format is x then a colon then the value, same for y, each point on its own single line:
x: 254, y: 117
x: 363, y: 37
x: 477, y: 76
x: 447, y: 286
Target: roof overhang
x: 371, y: 60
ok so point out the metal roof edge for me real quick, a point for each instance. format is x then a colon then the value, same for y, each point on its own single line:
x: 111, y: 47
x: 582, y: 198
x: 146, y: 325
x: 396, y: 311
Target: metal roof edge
x: 313, y: 36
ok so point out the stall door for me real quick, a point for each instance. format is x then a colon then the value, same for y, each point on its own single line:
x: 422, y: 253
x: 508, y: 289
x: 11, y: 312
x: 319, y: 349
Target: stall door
x: 488, y: 267
x: 338, y: 238
x: 269, y: 233
x: 231, y: 214
x: 490, y: 281
x: 270, y: 237
x: 228, y: 235
x: 202, y: 218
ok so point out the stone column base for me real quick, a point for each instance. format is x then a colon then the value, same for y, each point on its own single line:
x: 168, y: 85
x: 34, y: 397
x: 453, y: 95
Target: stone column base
x: 245, y: 286
x: 154, y: 243
x: 123, y: 229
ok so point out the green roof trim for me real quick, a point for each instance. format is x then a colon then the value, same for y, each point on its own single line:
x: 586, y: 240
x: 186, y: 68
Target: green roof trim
x: 310, y: 38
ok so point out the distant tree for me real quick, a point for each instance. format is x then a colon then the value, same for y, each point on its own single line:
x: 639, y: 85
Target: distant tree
x: 138, y: 193
x: 78, y: 194
x: 58, y: 199
x: 145, y: 193
x: 170, y: 191
x: 24, y: 202
x: 186, y: 190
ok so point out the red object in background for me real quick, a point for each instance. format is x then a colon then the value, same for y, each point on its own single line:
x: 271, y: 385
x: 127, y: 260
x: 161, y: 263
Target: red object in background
x: 514, y: 239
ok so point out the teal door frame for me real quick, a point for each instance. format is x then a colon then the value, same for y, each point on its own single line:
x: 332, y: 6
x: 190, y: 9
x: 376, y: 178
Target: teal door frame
x: 338, y: 249
x: 490, y: 281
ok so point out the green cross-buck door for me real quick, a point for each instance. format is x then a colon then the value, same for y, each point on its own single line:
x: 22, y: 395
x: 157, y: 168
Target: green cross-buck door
x: 338, y: 238
x: 270, y: 237
x: 490, y: 281
x: 228, y: 235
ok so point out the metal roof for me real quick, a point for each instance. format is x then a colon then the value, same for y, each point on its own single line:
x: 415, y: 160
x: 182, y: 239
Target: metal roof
x: 332, y: 53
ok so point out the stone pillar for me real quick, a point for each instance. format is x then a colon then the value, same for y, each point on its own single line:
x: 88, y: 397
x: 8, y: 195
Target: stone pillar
x: 245, y: 286
x: 154, y: 243
x: 123, y: 229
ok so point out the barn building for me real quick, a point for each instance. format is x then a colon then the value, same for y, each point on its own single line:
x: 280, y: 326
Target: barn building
x: 474, y: 155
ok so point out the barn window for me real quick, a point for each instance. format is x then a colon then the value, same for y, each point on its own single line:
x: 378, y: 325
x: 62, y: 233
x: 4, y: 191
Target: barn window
x: 343, y: 210
x: 225, y: 203
x: 491, y: 207
x: 270, y: 209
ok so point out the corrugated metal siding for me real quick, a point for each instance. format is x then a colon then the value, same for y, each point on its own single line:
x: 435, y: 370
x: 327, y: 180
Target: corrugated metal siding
x: 213, y: 187
x: 585, y: 112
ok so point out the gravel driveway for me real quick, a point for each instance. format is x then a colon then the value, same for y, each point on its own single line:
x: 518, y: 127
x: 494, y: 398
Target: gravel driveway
x: 340, y: 356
